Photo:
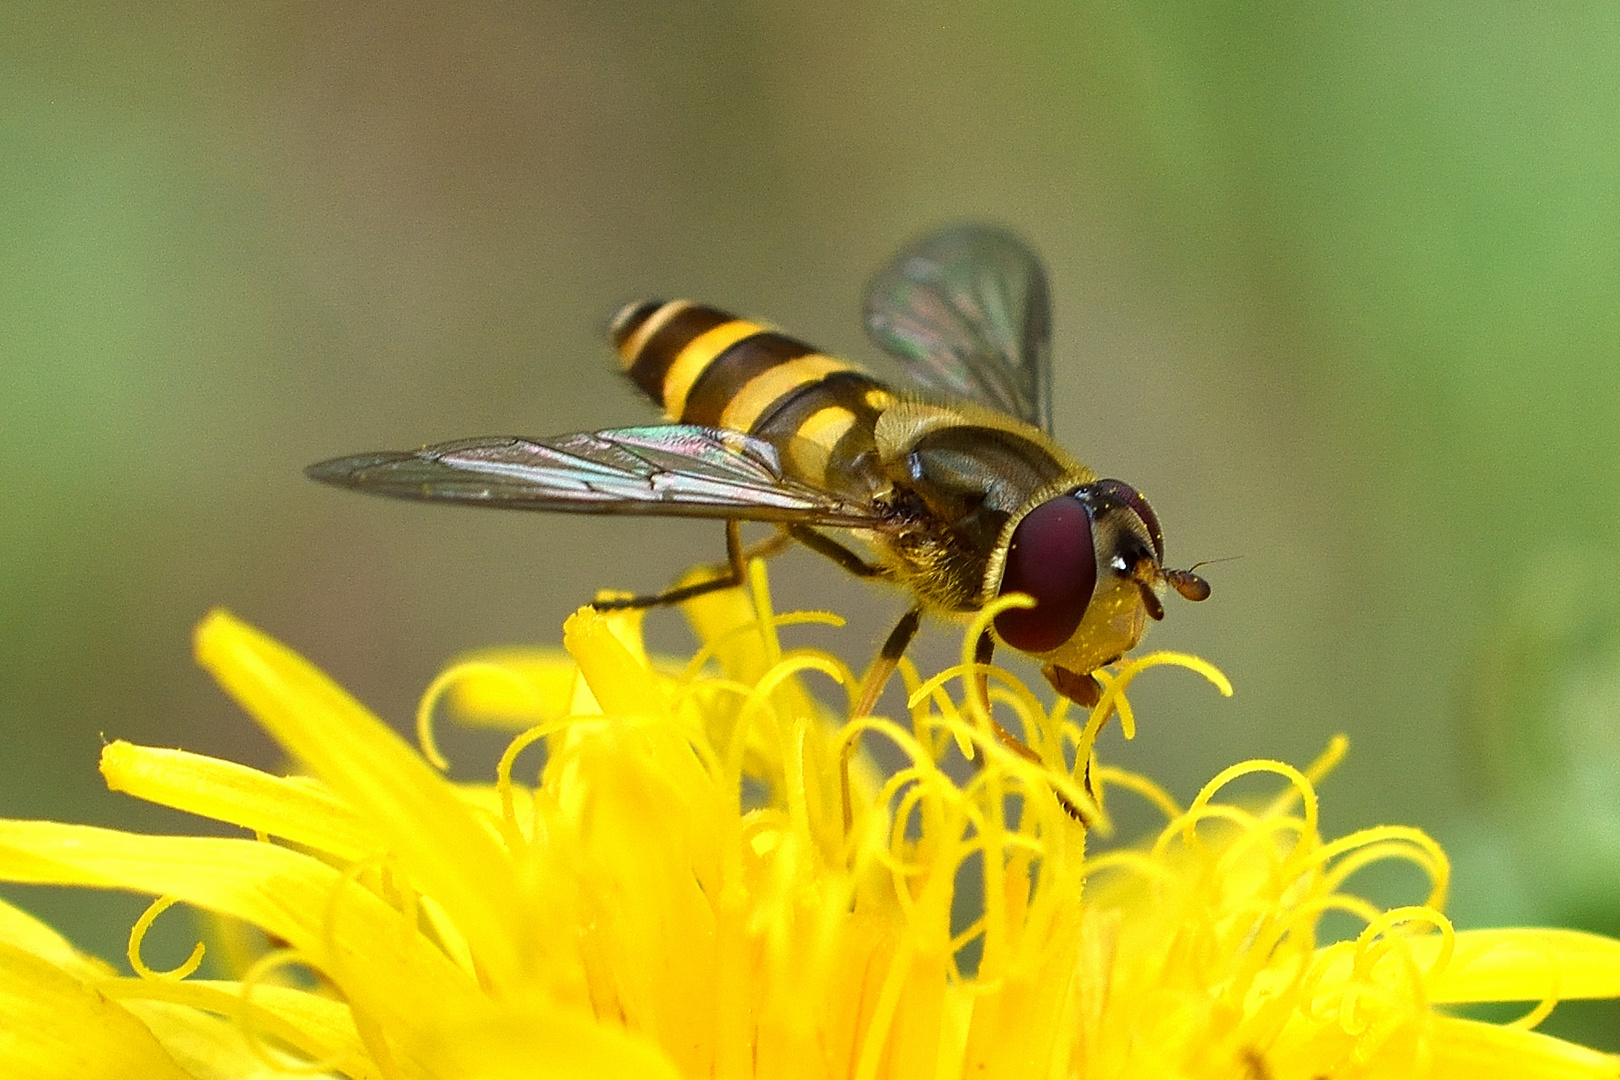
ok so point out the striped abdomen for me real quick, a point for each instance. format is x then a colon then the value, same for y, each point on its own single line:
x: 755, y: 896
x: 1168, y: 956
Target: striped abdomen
x: 703, y: 366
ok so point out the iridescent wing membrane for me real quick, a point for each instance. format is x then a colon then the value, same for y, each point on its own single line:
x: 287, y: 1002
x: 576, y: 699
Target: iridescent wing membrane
x: 966, y: 311
x: 670, y: 470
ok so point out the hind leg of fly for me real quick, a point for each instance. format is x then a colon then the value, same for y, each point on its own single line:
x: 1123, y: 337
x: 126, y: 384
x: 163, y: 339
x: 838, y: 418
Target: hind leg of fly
x: 732, y: 574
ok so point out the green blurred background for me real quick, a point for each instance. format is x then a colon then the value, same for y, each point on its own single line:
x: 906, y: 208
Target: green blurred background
x: 1337, y: 285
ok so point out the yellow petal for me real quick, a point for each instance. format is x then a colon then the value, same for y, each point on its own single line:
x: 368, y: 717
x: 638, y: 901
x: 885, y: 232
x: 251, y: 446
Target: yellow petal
x: 716, y: 618
x: 54, y: 1026
x: 517, y: 688
x: 343, y: 928
x: 540, y: 1042
x: 22, y: 930
x: 619, y: 678
x: 485, y: 799
x: 1510, y: 964
x: 512, y: 688
x: 297, y: 809
x: 1470, y: 1050
x: 444, y: 849
x: 319, y: 1028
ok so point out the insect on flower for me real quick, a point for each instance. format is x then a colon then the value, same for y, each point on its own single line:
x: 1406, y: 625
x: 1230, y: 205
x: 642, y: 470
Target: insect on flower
x: 958, y: 491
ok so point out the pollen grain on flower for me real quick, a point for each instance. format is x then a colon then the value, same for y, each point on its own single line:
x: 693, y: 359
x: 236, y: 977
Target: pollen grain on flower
x: 693, y: 866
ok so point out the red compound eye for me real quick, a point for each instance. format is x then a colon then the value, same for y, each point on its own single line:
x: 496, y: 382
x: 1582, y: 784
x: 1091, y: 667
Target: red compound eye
x: 1054, y: 560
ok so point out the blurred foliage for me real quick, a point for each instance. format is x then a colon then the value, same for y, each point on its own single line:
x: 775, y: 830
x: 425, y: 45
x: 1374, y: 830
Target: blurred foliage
x: 1337, y: 284
x: 1542, y: 736
x: 1540, y: 733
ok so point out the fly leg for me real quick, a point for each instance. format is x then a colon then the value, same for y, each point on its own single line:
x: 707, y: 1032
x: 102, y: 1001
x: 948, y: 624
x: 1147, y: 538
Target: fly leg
x: 888, y: 659
x: 826, y: 546
x: 736, y: 568
x: 899, y: 638
x: 983, y: 650
x: 877, y: 676
x: 733, y: 574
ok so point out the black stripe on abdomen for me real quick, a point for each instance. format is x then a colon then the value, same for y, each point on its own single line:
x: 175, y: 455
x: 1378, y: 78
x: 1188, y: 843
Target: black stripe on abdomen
x: 651, y: 335
x: 718, y: 385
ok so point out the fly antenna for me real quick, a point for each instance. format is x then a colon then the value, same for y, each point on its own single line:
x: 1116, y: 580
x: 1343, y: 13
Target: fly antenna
x: 1189, y: 584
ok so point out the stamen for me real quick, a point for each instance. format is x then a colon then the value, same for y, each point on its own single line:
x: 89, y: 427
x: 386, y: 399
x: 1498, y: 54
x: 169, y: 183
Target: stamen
x: 274, y: 1060
x: 137, y: 934
x: 441, y: 684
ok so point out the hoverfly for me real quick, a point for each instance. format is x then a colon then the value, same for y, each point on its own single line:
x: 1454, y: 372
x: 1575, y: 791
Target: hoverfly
x: 960, y: 493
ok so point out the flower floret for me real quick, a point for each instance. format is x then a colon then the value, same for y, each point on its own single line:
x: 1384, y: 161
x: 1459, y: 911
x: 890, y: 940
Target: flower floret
x: 711, y: 875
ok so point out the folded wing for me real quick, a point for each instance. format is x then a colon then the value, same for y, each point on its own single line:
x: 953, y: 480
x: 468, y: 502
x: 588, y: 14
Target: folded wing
x: 673, y: 470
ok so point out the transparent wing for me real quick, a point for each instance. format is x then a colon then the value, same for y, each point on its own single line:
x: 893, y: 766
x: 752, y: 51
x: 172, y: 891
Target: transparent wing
x: 672, y: 470
x: 966, y: 310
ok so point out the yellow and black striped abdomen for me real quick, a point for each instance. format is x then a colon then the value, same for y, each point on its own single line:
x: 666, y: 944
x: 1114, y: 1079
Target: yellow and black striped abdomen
x: 703, y: 366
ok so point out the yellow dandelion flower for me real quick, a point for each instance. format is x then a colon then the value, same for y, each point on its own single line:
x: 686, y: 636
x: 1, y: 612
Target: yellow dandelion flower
x: 708, y: 877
